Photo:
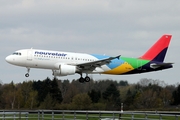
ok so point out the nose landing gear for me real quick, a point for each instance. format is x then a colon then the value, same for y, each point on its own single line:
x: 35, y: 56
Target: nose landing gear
x: 27, y: 74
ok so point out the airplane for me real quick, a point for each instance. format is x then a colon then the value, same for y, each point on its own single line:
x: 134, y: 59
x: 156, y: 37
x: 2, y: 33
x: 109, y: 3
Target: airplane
x: 68, y: 63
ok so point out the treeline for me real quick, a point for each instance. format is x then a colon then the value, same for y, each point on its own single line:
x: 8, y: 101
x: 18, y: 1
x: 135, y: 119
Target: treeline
x: 147, y: 94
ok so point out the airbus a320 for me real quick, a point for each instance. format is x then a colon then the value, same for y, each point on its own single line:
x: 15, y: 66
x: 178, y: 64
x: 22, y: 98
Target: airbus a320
x: 68, y: 63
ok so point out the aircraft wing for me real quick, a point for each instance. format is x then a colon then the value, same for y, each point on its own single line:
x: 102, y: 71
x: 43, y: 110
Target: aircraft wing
x: 92, y: 65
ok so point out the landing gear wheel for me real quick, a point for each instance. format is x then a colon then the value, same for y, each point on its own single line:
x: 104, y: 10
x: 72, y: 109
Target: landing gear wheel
x: 81, y: 79
x: 27, y: 74
x: 87, y: 79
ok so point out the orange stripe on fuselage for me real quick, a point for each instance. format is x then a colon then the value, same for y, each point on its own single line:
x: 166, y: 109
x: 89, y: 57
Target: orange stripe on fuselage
x: 123, y: 68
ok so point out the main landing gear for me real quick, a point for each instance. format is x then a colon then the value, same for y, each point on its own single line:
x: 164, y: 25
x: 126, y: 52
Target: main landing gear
x: 27, y: 74
x: 86, y: 79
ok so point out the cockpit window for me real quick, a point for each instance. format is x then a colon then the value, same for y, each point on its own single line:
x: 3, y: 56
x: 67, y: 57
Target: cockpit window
x: 16, y: 53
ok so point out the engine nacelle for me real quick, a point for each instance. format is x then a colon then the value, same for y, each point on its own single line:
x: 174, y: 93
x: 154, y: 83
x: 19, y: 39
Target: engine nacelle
x: 64, y: 70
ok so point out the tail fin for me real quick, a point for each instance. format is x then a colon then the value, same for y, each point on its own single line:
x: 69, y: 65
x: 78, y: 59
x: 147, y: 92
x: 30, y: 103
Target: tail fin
x: 158, y: 51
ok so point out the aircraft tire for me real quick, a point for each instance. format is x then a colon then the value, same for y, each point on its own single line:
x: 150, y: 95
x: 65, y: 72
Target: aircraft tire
x: 81, y: 79
x: 27, y: 75
x: 87, y: 79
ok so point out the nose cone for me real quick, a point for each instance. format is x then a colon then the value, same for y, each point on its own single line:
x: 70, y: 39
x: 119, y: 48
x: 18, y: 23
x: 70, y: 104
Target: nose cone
x: 9, y: 59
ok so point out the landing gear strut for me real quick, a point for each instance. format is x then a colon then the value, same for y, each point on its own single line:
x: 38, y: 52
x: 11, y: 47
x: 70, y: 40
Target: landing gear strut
x: 86, y: 79
x: 27, y: 74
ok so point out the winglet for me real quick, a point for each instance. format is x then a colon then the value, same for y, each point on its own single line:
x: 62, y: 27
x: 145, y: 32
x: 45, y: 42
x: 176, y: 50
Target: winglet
x: 118, y: 57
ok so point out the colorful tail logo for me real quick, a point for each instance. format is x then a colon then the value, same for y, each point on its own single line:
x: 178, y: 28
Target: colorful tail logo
x: 158, y: 51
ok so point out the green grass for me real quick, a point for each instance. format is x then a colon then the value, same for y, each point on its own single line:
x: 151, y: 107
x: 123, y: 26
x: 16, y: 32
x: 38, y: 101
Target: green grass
x: 69, y: 116
x: 97, y: 116
x: 149, y: 117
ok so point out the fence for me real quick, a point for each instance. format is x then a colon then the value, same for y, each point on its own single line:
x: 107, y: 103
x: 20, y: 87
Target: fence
x: 87, y: 115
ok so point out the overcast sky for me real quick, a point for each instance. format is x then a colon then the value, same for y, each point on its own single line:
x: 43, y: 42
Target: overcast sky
x: 112, y: 27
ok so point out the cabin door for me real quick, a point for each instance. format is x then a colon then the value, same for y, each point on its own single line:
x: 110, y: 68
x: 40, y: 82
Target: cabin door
x: 29, y: 55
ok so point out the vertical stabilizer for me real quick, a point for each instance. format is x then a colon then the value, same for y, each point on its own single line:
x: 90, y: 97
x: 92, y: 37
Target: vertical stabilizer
x: 158, y: 51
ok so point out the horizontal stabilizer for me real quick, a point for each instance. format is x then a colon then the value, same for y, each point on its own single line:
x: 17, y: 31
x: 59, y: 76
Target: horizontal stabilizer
x: 155, y: 65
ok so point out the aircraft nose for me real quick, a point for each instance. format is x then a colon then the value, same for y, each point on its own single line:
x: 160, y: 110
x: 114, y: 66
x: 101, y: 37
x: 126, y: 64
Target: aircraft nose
x: 9, y: 59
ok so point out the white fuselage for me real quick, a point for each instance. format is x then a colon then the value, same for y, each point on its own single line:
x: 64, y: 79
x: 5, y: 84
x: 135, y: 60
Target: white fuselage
x: 46, y: 59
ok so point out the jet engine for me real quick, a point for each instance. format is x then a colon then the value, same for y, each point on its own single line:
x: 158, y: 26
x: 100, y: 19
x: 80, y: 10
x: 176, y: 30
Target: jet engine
x: 64, y: 70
